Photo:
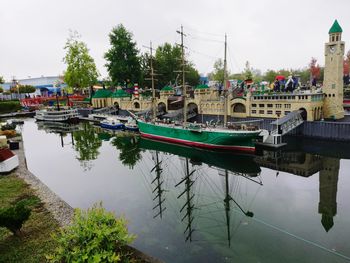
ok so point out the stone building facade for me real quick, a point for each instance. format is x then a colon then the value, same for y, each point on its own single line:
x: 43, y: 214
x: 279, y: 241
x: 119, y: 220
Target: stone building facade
x: 314, y: 104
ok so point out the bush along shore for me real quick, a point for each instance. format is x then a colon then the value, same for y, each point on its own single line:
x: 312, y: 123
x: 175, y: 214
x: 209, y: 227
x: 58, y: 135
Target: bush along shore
x: 37, y: 226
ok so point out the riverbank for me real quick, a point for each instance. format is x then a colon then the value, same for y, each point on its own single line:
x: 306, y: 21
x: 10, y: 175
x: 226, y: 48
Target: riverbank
x: 52, y: 213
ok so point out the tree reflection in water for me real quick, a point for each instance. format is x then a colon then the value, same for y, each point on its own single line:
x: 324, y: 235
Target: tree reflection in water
x: 127, y: 144
x: 87, y: 144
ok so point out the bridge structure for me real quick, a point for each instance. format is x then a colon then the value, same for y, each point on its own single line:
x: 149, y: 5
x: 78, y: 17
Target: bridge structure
x: 283, y: 126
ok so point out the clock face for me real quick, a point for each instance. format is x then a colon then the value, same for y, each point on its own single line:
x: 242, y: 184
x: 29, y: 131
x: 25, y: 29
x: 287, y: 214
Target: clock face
x: 332, y: 49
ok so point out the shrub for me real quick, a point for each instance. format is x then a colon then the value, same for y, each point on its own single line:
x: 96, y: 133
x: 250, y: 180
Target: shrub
x: 15, y: 216
x: 9, y: 106
x: 95, y: 235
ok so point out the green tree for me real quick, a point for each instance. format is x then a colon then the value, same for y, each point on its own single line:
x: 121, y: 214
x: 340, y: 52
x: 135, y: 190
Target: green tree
x: 87, y: 144
x: 218, y: 73
x: 1, y: 90
x: 248, y: 71
x: 270, y: 75
x: 123, y: 61
x: 81, y: 70
x: 168, y: 66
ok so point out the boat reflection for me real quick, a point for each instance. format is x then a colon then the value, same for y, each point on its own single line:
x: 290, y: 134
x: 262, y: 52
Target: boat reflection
x: 222, y: 197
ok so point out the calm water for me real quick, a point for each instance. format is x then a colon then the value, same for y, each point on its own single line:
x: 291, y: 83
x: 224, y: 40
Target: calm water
x: 187, y: 205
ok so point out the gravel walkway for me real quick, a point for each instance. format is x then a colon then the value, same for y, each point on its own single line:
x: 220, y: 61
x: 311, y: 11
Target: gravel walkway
x: 60, y: 210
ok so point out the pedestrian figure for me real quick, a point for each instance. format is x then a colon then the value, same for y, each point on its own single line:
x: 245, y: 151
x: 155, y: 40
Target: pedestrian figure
x: 277, y: 87
x: 289, y: 84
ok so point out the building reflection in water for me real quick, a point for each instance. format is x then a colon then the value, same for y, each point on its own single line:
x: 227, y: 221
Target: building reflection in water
x: 328, y: 191
x: 305, y: 164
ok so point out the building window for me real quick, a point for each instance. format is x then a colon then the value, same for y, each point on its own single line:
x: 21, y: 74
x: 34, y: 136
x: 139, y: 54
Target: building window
x: 287, y: 106
x: 254, y: 105
x: 333, y: 95
x: 269, y: 112
x: 261, y: 105
x: 269, y: 105
x: 278, y: 112
x: 286, y: 112
x: 278, y: 106
x: 253, y: 111
x: 261, y: 112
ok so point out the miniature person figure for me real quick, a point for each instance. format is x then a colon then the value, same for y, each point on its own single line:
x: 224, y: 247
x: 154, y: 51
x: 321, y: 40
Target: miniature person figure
x: 313, y: 83
x: 277, y: 87
x: 289, y: 84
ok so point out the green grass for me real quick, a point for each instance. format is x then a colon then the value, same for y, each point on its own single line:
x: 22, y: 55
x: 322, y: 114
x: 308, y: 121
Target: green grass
x: 35, y: 242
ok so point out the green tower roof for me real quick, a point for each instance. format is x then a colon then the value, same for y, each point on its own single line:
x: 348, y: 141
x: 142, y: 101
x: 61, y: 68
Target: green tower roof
x: 102, y: 93
x: 335, y: 28
x: 167, y: 88
x: 120, y: 93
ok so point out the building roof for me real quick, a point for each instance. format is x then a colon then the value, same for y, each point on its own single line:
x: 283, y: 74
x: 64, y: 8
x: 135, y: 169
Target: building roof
x: 102, y: 93
x: 167, y: 88
x: 120, y: 93
x: 202, y: 86
x: 336, y: 28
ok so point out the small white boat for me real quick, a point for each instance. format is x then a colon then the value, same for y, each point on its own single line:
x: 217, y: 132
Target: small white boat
x: 68, y: 115
x: 131, y: 125
x: 8, y: 160
x: 112, y: 123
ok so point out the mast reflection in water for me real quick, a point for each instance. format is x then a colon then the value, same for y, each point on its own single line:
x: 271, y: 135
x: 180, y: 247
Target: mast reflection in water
x: 190, y: 205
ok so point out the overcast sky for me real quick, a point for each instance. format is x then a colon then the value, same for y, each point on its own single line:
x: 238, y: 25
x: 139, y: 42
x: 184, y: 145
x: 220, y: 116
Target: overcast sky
x: 269, y: 34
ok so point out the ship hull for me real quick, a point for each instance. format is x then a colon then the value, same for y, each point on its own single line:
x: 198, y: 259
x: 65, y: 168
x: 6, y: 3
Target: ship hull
x: 204, y: 138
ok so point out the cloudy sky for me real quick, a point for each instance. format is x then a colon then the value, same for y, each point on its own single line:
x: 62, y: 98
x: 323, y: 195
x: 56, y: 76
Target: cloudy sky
x: 270, y: 34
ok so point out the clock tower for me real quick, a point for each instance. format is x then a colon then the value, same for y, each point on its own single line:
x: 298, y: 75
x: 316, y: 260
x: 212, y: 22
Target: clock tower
x: 333, y: 74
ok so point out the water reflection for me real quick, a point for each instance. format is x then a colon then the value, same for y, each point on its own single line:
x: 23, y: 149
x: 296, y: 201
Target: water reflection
x: 305, y: 164
x: 210, y: 196
x: 87, y: 144
x: 128, y: 145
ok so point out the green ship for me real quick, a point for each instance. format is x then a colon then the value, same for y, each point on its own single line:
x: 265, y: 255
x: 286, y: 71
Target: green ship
x: 202, y: 137
x: 230, y: 137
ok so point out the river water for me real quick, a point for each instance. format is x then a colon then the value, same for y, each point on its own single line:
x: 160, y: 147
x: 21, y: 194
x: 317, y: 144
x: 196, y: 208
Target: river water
x: 188, y: 205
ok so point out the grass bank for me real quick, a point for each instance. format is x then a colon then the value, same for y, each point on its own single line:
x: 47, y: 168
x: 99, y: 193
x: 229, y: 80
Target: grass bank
x: 35, y: 241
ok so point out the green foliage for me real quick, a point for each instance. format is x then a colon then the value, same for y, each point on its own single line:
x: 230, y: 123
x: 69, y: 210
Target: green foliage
x: 218, y: 73
x: 13, y: 217
x: 9, y: 106
x: 87, y: 143
x: 248, y: 74
x: 23, y: 89
x: 167, y: 62
x: 95, y: 235
x: 1, y: 89
x: 81, y: 70
x: 123, y: 62
x: 26, y: 89
x: 2, y: 80
x: 130, y: 153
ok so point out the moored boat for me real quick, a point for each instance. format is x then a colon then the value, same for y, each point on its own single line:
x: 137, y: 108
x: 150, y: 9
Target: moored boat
x: 8, y: 160
x: 235, y: 137
x: 201, y: 136
x: 64, y: 115
x: 112, y: 123
x: 131, y: 125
